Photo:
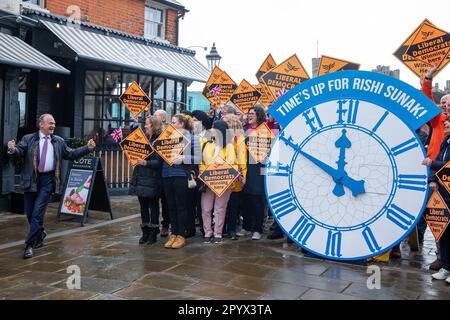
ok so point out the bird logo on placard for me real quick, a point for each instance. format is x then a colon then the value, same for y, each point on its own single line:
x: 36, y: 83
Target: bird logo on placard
x: 291, y: 67
x: 328, y: 67
x: 425, y: 35
x: 244, y: 88
x: 134, y: 91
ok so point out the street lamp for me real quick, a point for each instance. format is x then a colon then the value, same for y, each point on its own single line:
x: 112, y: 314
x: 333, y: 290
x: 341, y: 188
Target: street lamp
x: 213, y: 58
x: 204, y: 48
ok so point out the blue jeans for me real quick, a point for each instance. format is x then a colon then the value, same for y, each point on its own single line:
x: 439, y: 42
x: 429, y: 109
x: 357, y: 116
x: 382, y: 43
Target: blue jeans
x: 36, y: 204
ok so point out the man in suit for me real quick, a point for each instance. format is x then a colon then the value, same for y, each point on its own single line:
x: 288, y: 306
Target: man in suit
x: 42, y: 153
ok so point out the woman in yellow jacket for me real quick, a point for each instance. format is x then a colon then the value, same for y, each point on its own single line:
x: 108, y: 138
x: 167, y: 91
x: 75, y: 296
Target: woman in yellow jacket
x: 217, y: 150
x: 234, y: 204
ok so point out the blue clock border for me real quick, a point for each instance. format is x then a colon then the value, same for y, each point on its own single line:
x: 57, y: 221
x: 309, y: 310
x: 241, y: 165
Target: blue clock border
x: 376, y: 253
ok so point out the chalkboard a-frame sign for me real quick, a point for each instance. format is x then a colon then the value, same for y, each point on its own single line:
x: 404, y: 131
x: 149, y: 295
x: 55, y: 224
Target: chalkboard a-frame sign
x: 85, y: 189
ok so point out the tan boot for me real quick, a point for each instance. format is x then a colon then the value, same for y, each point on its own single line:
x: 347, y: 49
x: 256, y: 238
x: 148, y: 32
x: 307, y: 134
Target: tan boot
x: 179, y: 243
x: 170, y: 242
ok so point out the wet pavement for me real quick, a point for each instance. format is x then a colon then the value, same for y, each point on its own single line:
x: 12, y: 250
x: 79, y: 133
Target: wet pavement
x: 114, y: 267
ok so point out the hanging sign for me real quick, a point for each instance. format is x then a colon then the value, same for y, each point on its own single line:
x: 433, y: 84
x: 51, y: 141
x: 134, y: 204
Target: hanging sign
x: 135, y: 99
x: 245, y: 96
x: 170, y: 144
x: 136, y: 146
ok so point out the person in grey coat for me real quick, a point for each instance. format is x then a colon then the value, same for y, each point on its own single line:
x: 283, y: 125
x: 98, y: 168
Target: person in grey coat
x: 42, y: 153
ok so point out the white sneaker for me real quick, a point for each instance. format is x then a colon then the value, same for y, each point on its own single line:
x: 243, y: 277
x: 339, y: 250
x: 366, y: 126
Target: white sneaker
x: 447, y: 280
x: 442, y: 275
x: 243, y: 233
x: 256, y: 236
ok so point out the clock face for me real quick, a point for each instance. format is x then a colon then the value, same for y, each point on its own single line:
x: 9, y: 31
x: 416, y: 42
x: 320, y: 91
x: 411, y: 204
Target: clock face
x: 344, y: 179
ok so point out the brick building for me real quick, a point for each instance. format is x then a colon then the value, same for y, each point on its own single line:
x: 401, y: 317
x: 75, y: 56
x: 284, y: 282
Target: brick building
x: 74, y: 58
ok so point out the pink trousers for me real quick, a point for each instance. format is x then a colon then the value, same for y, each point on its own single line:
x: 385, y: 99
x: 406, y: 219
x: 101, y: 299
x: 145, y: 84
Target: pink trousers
x: 209, y: 202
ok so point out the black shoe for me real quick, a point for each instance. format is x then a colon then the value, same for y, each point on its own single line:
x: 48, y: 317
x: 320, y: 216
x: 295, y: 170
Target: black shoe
x: 152, y: 235
x: 28, y: 252
x: 218, y: 240
x: 208, y: 240
x: 233, y: 236
x: 190, y: 233
x: 275, y: 235
x: 145, y: 234
x: 39, y: 243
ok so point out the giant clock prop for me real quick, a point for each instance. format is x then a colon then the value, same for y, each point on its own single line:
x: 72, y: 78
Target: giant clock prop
x: 344, y: 177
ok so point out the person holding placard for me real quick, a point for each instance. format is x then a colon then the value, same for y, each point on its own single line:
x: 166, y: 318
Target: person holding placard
x: 175, y: 183
x: 253, y: 195
x: 146, y: 184
x: 42, y: 152
x: 234, y: 204
x: 435, y: 165
x: 219, y: 149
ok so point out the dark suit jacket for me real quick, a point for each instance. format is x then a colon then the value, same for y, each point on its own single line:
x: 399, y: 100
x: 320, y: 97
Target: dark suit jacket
x: 28, y: 149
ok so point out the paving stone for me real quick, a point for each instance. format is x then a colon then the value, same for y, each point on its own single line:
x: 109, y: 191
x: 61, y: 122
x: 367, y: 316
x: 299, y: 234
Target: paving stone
x: 314, y: 294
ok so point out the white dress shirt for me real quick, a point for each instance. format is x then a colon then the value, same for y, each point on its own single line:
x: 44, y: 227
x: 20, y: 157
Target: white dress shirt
x: 50, y: 158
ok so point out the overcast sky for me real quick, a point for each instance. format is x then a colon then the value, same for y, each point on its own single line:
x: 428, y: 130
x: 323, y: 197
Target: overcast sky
x: 361, y: 31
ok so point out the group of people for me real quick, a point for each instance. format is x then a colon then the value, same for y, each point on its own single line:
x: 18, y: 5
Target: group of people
x: 215, y: 137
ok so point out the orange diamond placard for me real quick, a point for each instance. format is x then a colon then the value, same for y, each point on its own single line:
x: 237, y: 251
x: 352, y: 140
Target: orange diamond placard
x: 419, y: 68
x: 170, y: 144
x: 211, y: 83
x: 285, y: 76
x: 269, y: 63
x: 444, y: 176
x: 266, y: 99
x: 245, y: 96
x: 219, y: 177
x: 329, y: 65
x: 259, y: 142
x: 135, y: 99
x: 438, y: 215
x: 136, y: 146
x: 431, y: 45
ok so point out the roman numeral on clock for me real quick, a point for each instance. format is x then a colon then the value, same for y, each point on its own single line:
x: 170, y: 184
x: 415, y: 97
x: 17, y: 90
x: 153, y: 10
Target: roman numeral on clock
x: 405, y: 146
x: 282, y: 203
x: 348, y: 108
x: 370, y: 240
x: 334, y: 242
x: 302, y: 230
x: 413, y: 182
x: 400, y: 217
x: 313, y: 121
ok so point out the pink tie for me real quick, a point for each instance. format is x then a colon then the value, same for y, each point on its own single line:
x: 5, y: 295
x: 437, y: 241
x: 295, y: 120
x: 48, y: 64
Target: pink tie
x: 43, y: 156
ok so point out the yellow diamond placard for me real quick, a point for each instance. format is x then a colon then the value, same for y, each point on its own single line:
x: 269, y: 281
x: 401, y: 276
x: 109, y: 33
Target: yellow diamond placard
x: 329, y: 65
x: 444, y: 176
x: 245, y: 96
x: 259, y: 142
x: 170, y: 144
x: 266, y: 99
x: 419, y: 68
x: 227, y: 87
x: 438, y: 215
x: 268, y: 64
x: 136, y: 146
x: 219, y: 176
x: 285, y: 76
x: 431, y: 45
x: 135, y: 99
x: 208, y: 93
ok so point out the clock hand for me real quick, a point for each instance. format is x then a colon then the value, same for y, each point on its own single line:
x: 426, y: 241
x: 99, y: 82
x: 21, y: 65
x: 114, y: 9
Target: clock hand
x: 343, y: 143
x: 356, y: 186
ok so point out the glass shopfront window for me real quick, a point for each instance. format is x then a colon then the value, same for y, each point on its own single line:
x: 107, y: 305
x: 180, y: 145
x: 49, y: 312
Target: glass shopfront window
x: 104, y: 112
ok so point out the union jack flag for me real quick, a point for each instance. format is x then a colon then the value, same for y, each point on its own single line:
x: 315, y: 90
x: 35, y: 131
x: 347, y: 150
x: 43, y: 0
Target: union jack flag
x: 280, y: 92
x: 215, y: 91
x: 117, y: 134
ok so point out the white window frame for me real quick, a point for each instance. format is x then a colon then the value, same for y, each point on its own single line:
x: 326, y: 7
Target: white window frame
x: 157, y: 6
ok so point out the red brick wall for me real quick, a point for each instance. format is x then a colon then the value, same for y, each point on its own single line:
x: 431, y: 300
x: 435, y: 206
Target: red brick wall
x: 171, y: 26
x: 126, y: 16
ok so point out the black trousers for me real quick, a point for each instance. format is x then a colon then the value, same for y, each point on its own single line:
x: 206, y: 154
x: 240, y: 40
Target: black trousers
x: 149, y: 210
x: 252, y: 212
x: 233, y: 210
x: 177, y: 192
x: 165, y: 211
